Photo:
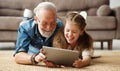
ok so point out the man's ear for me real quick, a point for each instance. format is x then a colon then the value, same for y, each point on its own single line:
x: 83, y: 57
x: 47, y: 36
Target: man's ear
x: 35, y: 19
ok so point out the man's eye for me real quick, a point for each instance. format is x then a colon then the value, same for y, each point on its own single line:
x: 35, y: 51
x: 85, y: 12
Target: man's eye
x: 44, y: 23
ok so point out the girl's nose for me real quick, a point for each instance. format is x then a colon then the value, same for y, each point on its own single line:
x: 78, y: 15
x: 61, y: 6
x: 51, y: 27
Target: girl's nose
x: 70, y: 34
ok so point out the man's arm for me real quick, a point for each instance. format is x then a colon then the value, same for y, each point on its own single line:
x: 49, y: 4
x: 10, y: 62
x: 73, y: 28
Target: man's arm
x: 23, y: 40
x: 23, y: 58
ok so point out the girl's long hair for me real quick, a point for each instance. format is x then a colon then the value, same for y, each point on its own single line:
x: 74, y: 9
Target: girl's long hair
x: 84, y: 41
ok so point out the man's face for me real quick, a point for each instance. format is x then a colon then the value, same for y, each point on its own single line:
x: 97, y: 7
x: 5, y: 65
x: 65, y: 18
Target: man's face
x: 46, y: 20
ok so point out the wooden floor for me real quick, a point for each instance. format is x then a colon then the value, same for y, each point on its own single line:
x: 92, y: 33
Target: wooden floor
x: 109, y: 61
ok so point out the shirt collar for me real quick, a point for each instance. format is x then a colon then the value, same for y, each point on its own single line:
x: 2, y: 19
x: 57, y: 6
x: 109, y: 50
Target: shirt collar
x: 38, y: 34
x: 37, y: 31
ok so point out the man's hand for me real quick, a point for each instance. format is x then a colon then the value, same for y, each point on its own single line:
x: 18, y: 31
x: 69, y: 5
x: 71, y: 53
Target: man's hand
x: 40, y: 57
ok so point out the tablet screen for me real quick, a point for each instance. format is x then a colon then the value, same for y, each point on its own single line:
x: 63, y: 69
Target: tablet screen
x: 61, y: 56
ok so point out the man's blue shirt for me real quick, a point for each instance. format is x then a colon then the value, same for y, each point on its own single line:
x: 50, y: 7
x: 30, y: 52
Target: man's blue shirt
x: 29, y: 39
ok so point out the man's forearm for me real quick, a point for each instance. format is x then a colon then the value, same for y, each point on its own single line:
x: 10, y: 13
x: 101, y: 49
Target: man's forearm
x: 23, y: 58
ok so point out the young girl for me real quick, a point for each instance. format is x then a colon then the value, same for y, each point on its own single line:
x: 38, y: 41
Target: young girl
x: 74, y: 37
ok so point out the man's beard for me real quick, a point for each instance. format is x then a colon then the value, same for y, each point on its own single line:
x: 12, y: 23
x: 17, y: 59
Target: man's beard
x: 46, y: 34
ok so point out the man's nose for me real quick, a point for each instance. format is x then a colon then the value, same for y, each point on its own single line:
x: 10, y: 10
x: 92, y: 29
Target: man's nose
x: 48, y: 28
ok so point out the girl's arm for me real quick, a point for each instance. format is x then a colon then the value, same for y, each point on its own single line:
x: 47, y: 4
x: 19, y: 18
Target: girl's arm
x: 82, y: 62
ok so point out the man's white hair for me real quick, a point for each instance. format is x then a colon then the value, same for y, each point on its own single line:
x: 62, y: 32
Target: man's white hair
x: 44, y: 5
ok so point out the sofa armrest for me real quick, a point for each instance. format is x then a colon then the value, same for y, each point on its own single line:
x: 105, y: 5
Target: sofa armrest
x: 117, y: 15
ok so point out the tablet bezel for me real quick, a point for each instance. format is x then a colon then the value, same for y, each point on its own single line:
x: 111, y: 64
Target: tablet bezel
x: 61, y: 56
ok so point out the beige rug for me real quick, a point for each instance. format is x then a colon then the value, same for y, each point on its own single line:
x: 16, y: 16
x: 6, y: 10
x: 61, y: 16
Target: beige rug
x: 109, y: 61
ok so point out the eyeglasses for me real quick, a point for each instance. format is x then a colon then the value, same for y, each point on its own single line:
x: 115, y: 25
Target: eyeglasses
x: 38, y: 19
x: 44, y: 23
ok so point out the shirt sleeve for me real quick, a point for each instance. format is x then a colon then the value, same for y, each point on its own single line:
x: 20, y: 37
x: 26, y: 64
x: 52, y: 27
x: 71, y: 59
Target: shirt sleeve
x: 59, y: 23
x: 87, y: 52
x: 23, y: 40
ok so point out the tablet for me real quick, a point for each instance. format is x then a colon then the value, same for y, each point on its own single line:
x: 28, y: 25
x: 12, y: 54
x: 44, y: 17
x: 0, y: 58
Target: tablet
x: 61, y: 56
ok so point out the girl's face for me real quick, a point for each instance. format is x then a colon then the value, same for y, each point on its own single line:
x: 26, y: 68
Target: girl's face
x: 71, y: 32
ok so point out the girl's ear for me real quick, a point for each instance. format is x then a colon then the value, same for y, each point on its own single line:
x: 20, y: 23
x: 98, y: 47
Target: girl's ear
x: 35, y: 19
x: 82, y: 32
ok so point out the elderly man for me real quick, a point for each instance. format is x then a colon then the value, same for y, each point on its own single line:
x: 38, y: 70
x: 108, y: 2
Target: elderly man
x: 35, y: 33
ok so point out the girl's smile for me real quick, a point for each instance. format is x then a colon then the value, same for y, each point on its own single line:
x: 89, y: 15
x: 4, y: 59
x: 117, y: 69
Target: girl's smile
x: 71, y: 32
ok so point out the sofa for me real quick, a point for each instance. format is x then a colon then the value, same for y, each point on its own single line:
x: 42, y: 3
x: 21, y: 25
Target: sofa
x: 103, y: 23
x: 11, y: 14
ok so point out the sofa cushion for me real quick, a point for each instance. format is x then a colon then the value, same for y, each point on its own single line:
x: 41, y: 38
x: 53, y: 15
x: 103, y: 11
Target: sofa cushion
x: 9, y: 23
x: 101, y: 23
x: 17, y: 6
x: 8, y: 36
x: 64, y: 6
x: 12, y: 12
x: 96, y: 3
x: 92, y: 12
x: 104, y: 10
x: 102, y: 34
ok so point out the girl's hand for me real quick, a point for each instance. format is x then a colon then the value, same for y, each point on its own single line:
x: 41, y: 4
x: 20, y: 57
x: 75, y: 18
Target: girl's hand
x: 50, y: 64
x: 78, y: 63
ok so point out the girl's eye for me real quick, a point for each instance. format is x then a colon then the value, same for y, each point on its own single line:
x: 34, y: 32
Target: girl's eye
x: 67, y: 30
x: 74, y: 32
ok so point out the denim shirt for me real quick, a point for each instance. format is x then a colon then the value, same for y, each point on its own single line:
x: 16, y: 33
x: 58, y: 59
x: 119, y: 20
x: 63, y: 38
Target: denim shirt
x: 29, y: 39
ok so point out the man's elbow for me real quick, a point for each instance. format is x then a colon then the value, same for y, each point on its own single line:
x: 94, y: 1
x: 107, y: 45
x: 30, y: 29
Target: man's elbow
x: 16, y: 58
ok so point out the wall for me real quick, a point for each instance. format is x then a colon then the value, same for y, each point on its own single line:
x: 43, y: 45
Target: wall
x: 114, y: 3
